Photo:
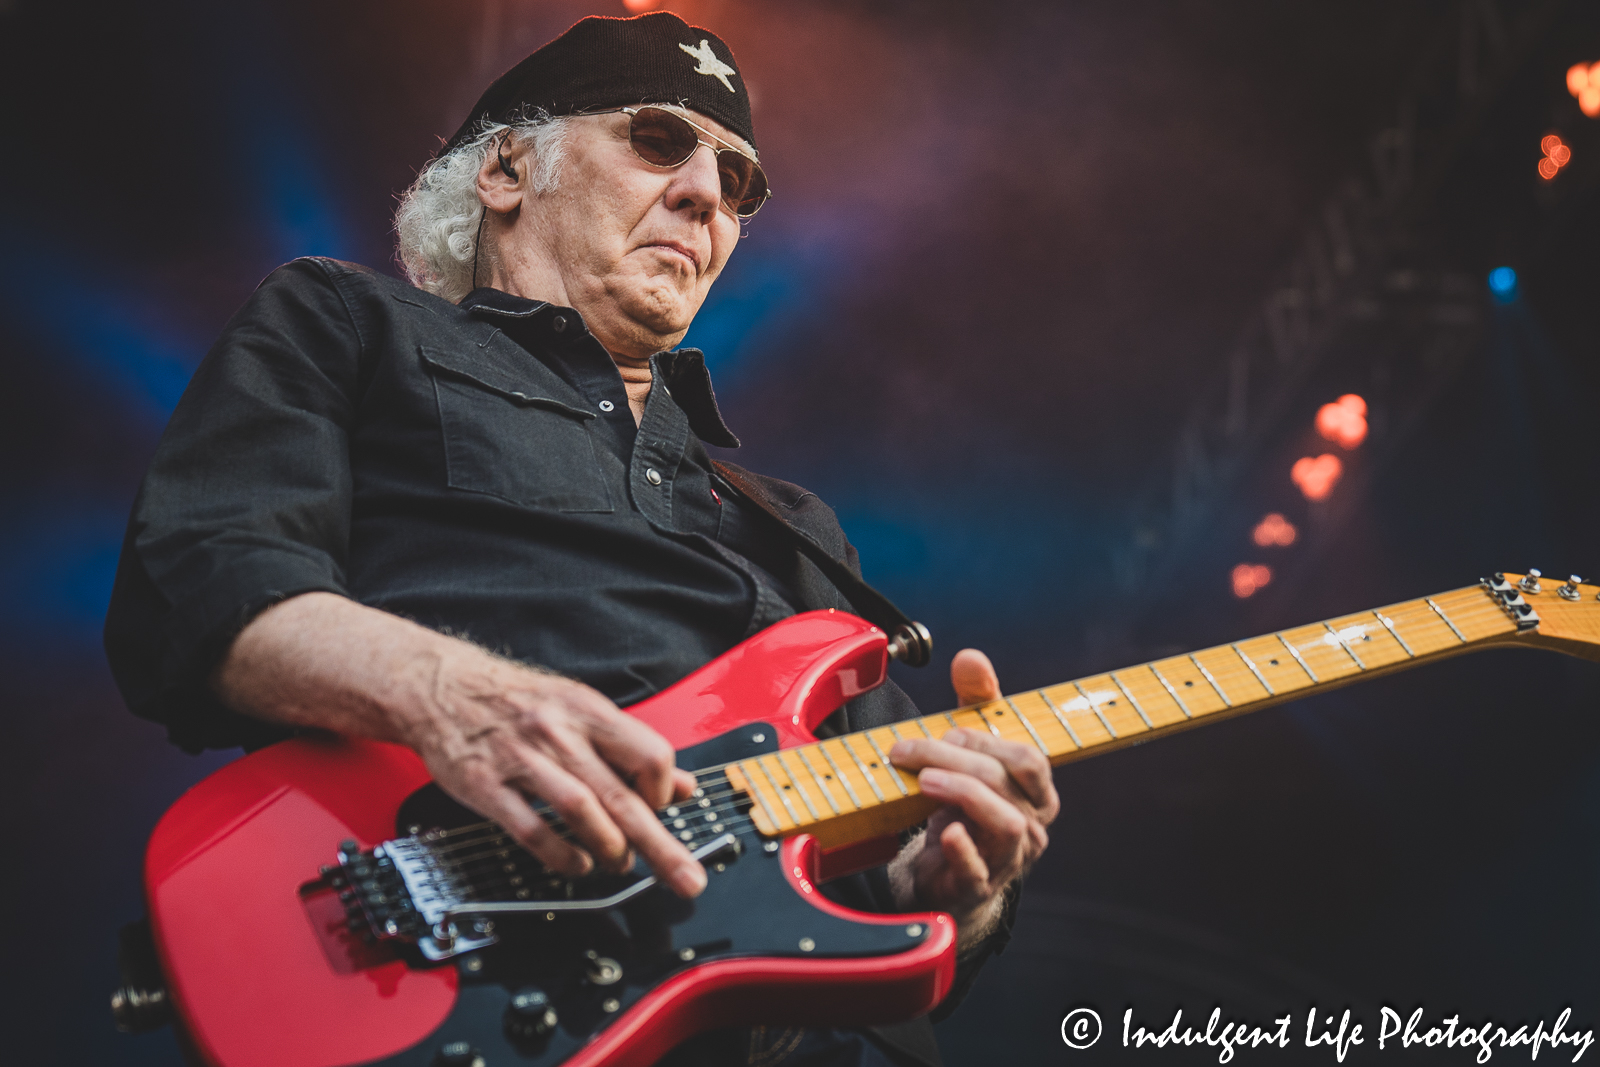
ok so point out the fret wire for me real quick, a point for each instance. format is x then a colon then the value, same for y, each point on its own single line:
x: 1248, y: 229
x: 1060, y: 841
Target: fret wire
x: 1476, y: 605
x: 822, y: 785
x: 1295, y: 652
x: 798, y: 788
x: 894, y: 772
x: 894, y: 728
x: 1087, y: 699
x: 1394, y: 633
x: 1136, y: 705
x: 1440, y: 612
x: 1344, y: 644
x: 1031, y: 731
x: 793, y: 817
x: 772, y: 816
x: 1195, y: 659
x: 1248, y: 662
x: 873, y: 782
x: 849, y: 790
x: 1170, y: 691
x: 1062, y: 719
x: 993, y: 729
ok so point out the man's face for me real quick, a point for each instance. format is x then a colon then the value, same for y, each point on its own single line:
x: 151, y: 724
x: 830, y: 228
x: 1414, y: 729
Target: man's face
x: 636, y: 246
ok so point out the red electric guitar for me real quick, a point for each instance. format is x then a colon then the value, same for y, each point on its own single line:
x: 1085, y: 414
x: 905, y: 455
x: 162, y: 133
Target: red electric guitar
x: 319, y: 903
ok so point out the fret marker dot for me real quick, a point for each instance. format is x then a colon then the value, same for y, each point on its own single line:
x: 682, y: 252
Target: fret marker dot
x: 1189, y: 684
x: 1272, y: 663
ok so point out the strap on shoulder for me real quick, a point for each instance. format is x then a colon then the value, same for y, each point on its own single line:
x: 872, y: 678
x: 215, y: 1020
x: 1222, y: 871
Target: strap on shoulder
x: 909, y: 641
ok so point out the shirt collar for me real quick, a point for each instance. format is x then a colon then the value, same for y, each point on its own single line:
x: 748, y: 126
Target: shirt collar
x: 536, y: 324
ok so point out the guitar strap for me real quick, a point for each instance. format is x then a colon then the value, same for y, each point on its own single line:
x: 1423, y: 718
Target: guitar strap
x: 909, y: 641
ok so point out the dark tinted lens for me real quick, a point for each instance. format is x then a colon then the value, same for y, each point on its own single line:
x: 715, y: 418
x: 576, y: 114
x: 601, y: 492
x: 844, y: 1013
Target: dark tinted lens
x: 744, y: 186
x: 662, y: 138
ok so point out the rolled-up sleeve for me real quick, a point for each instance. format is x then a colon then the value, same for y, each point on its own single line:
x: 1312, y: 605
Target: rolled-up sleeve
x: 246, y: 503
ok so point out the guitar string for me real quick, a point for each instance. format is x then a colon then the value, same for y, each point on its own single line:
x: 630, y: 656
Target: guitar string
x: 1481, y: 607
x: 1228, y: 674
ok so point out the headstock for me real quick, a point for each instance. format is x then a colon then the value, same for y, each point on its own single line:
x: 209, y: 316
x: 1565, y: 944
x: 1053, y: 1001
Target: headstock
x: 1569, y: 613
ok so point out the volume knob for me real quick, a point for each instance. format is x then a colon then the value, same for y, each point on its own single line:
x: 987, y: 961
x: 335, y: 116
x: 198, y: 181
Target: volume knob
x: 529, y: 1016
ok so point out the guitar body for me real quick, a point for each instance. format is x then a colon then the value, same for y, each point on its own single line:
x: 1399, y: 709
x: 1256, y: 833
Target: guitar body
x: 263, y: 970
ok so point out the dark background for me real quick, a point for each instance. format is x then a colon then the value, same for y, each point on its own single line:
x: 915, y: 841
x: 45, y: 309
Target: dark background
x: 1012, y: 243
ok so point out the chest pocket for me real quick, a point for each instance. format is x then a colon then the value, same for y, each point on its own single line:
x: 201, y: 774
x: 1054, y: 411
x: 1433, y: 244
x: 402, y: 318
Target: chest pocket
x: 505, y: 437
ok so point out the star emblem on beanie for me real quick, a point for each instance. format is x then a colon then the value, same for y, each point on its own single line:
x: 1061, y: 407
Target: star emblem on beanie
x: 710, y: 64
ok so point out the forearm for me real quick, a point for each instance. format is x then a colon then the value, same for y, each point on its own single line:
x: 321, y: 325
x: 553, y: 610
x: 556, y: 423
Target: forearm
x: 324, y: 661
x: 972, y: 926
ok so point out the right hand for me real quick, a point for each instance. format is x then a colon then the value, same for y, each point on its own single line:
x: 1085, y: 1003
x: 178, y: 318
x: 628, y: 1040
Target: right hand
x: 493, y: 732
x: 501, y: 733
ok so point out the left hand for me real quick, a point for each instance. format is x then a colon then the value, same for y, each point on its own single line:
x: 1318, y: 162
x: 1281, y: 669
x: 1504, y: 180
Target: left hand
x: 998, y: 799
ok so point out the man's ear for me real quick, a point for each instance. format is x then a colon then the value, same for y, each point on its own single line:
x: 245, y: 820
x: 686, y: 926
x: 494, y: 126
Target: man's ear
x: 500, y: 187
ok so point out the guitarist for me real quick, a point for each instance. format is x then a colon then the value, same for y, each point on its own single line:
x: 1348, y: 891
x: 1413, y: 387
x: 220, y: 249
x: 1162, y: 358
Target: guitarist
x: 398, y: 511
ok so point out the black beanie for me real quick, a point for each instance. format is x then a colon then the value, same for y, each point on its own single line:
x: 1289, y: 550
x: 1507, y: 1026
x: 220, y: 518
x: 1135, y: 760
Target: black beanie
x: 611, y: 62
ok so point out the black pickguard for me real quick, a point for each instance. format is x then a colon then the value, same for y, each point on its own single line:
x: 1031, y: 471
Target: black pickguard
x: 747, y: 909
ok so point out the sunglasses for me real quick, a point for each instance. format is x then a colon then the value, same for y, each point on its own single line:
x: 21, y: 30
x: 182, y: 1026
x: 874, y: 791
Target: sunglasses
x: 664, y: 139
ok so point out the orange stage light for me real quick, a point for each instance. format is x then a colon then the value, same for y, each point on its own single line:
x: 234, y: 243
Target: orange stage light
x: 1577, y: 78
x: 1344, y: 421
x: 1317, y: 477
x: 636, y: 6
x: 1274, y: 530
x: 1556, y: 154
x: 1248, y: 577
x: 1583, y: 82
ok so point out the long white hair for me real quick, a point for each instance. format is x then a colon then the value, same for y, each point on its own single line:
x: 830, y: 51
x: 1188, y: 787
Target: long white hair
x: 437, y: 222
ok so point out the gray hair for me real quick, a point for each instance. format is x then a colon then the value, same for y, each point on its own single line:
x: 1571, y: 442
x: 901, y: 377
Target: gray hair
x: 437, y: 222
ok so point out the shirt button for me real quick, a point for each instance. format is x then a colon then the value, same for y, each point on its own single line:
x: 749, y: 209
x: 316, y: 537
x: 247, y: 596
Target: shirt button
x: 606, y: 405
x: 652, y: 476
x: 559, y: 324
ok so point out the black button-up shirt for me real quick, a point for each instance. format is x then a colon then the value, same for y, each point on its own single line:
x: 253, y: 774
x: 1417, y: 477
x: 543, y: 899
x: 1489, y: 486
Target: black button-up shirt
x: 475, y: 468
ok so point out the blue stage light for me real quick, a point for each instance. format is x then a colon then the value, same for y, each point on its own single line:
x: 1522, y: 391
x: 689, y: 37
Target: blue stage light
x: 1503, y: 282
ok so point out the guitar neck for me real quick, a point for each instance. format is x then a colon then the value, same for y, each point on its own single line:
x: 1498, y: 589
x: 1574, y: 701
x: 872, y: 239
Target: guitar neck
x: 843, y: 789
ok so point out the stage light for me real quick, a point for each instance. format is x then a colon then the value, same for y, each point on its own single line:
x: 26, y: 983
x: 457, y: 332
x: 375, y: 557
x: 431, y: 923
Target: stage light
x: 1583, y: 82
x: 1248, y: 577
x: 636, y: 6
x: 1503, y: 282
x: 1556, y: 156
x: 1317, y: 477
x: 1344, y: 421
x: 1274, y: 530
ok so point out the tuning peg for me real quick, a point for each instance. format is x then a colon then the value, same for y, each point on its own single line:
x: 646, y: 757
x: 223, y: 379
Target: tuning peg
x: 1530, y: 582
x: 1570, y: 590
